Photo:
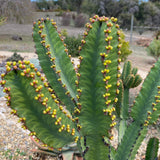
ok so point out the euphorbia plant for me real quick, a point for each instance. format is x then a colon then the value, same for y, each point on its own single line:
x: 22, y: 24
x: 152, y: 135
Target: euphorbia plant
x: 64, y: 105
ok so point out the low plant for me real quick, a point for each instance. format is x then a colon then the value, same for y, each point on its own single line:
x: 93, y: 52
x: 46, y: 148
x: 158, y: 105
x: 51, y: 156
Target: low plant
x: 72, y: 44
x: 64, y: 33
x: 141, y: 30
x: 15, y: 57
x: 80, y: 20
x: 77, y: 109
x: 60, y: 13
x: 157, y: 34
x: 66, y: 19
x: 125, y: 48
x: 154, y: 49
x: 8, y: 154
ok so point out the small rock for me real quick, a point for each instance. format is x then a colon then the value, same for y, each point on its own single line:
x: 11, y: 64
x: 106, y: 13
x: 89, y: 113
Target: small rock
x: 16, y: 38
x: 2, y: 109
x: 2, y: 116
x: 2, y: 99
x: 10, y: 123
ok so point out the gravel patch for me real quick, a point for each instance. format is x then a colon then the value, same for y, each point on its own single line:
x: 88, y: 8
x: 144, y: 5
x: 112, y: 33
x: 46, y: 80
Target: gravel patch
x: 13, y: 137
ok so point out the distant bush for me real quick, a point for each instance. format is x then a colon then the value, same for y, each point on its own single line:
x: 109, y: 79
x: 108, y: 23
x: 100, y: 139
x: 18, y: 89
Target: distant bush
x: 72, y: 44
x: 141, y: 31
x: 18, y: 11
x: 80, y: 20
x: 64, y: 33
x: 154, y: 49
x: 125, y: 51
x: 66, y: 19
x: 15, y: 57
x: 60, y: 13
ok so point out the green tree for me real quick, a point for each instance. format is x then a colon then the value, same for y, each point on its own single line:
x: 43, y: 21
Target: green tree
x: 154, y: 0
x: 90, y: 6
x: 43, y: 4
x: 112, y: 8
x: 75, y: 5
x: 148, y: 14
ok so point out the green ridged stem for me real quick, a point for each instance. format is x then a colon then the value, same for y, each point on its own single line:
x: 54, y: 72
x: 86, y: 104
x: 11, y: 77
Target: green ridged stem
x: 152, y: 149
x: 128, y: 142
x: 143, y: 102
x: 138, y: 143
x: 120, y: 100
x: 121, y: 129
x: 92, y: 85
x: 125, y: 105
x: 46, y: 64
x: 129, y: 76
x: 22, y: 99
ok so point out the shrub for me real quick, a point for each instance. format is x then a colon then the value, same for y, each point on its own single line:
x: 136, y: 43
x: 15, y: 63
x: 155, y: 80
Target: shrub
x: 64, y: 32
x: 66, y: 19
x: 154, y: 49
x: 60, y: 13
x: 72, y: 43
x: 18, y: 154
x: 125, y: 51
x: 157, y: 35
x: 15, y: 57
x: 141, y: 30
x: 80, y: 20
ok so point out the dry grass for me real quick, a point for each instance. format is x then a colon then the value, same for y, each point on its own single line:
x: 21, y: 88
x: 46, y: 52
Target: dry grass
x: 7, y: 44
x: 25, y: 31
x: 139, y: 56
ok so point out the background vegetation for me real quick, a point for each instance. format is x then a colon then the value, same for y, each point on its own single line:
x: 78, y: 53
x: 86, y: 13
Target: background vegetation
x: 146, y: 13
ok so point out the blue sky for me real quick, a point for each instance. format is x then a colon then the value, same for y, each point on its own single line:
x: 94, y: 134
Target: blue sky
x: 57, y: 0
x: 36, y: 0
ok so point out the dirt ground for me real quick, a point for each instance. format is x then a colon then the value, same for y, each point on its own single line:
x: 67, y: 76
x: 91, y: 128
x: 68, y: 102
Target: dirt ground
x: 139, y: 57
